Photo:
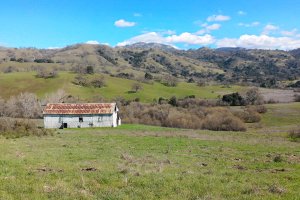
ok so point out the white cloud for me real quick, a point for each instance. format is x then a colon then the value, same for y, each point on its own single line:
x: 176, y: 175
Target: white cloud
x: 218, y: 18
x: 260, y: 42
x: 253, y: 24
x: 213, y: 27
x: 189, y: 38
x: 54, y: 47
x: 146, y: 37
x: 92, y: 42
x: 124, y: 23
x: 269, y: 28
x: 242, y: 12
x: 290, y: 33
x: 185, y: 38
x: 208, y: 28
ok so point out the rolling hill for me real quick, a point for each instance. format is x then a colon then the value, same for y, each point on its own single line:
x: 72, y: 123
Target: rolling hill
x: 266, y: 68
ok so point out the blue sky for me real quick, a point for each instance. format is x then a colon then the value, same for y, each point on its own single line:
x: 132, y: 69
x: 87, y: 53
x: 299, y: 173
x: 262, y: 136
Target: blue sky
x: 268, y: 24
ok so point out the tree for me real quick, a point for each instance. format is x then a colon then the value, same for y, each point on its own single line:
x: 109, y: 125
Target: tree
x: 136, y: 87
x: 25, y: 105
x: 46, y: 73
x: 169, y: 81
x: 253, y: 97
x: 173, y: 101
x: 234, y: 99
x: 90, y: 70
x: 98, y: 82
x: 148, y: 76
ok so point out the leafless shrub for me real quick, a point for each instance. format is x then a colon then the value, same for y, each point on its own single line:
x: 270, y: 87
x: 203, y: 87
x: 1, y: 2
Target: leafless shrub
x: 14, y: 128
x: 201, y: 83
x: 46, y: 73
x: 297, y: 98
x: 136, y: 87
x: 169, y: 81
x: 294, y: 134
x: 222, y: 120
x: 260, y: 108
x: 97, y: 81
x: 169, y: 116
x: 55, y: 97
x: 25, y: 105
x: 248, y: 115
x: 271, y: 101
x: 253, y: 97
x: 10, y: 69
x: 87, y: 81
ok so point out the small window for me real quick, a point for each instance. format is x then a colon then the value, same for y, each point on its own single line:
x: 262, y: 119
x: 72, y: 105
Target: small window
x: 80, y: 119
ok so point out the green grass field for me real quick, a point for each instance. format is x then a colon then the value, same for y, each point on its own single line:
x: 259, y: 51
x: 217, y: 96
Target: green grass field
x: 15, y: 83
x: 146, y: 162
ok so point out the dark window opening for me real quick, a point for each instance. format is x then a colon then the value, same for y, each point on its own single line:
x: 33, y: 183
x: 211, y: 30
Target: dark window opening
x: 80, y: 119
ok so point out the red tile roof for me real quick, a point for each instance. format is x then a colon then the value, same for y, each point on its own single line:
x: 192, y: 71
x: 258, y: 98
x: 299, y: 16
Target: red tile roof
x: 79, y: 108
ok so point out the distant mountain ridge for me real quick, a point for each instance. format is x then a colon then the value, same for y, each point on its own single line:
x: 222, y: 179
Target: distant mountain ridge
x: 230, y: 65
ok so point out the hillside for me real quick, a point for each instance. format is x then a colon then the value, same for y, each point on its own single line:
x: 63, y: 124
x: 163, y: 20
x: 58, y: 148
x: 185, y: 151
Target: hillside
x: 266, y: 68
x: 17, y: 82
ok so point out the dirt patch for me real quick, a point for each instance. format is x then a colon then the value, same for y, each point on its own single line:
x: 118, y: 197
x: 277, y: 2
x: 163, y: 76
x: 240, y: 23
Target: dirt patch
x: 89, y: 169
x: 278, y: 170
x: 47, y: 169
x: 239, y: 167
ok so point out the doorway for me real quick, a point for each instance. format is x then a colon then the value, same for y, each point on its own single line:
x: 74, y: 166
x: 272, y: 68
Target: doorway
x: 65, y: 125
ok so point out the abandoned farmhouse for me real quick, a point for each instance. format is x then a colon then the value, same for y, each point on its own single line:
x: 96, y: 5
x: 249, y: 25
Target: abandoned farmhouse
x: 81, y: 115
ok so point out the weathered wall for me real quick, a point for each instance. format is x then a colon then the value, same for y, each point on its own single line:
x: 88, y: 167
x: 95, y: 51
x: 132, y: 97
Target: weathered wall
x: 103, y: 120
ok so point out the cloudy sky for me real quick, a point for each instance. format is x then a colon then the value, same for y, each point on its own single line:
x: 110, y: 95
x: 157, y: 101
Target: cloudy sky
x: 268, y: 24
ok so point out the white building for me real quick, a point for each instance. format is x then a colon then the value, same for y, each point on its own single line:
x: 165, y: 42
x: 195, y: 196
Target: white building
x: 81, y: 115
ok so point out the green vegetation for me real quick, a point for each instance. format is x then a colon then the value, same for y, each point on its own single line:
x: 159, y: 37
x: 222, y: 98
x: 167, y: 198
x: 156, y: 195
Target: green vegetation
x: 143, y: 164
x: 18, y: 82
x: 280, y: 115
x: 148, y: 162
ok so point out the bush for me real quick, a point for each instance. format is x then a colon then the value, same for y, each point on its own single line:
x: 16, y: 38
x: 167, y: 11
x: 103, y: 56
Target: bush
x: 46, y: 73
x: 234, y: 99
x: 89, y: 81
x: 98, y: 82
x: 294, y: 134
x: 15, y: 128
x: 297, y: 98
x: 169, y: 81
x: 166, y: 115
x: 253, y: 97
x: 223, y: 121
x: 249, y: 115
x: 90, y: 70
x: 25, y: 105
x: 260, y: 109
x: 136, y: 87
x: 148, y: 76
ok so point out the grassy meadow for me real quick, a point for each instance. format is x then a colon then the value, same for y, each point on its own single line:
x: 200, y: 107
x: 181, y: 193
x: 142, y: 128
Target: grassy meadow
x: 147, y: 162
x: 18, y: 82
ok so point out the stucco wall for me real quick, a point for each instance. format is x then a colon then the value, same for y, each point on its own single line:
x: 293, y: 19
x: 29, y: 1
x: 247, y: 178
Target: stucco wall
x: 103, y: 120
